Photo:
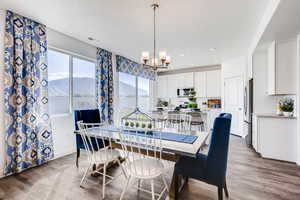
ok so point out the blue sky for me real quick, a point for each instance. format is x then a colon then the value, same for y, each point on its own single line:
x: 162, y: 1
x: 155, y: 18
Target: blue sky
x: 58, y: 66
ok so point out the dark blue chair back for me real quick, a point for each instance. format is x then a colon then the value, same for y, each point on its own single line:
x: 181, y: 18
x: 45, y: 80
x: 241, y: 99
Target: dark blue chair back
x: 217, y: 157
x: 87, y: 116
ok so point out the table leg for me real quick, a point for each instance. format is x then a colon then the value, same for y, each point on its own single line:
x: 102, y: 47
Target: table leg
x: 177, y: 185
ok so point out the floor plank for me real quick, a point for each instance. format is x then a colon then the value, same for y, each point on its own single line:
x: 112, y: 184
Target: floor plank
x: 249, y: 178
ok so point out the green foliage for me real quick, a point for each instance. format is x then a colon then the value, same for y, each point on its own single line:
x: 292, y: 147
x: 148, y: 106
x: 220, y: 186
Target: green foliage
x: 126, y: 123
x: 149, y: 126
x: 143, y: 125
x: 193, y: 105
x: 287, y: 105
x: 131, y: 124
x: 193, y: 92
x: 137, y: 124
x: 193, y: 99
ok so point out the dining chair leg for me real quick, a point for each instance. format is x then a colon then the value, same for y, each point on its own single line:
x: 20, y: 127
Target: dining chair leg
x: 103, y: 183
x: 85, y: 173
x: 125, y: 188
x: 226, y: 190
x: 165, y: 182
x: 152, y: 189
x: 122, y: 168
x: 220, y: 193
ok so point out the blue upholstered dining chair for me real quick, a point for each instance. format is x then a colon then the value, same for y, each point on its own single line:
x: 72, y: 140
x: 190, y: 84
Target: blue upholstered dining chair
x: 210, y: 168
x: 86, y: 116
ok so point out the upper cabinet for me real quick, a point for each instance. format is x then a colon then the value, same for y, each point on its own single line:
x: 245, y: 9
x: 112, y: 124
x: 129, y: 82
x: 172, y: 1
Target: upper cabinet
x: 162, y: 86
x: 188, y: 79
x: 172, y: 85
x: 208, y: 83
x: 271, y: 69
x: 213, y: 83
x: 200, y: 83
x: 282, y: 68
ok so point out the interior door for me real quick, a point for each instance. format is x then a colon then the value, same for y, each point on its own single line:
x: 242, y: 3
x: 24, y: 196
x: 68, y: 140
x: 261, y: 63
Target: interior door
x: 233, y: 103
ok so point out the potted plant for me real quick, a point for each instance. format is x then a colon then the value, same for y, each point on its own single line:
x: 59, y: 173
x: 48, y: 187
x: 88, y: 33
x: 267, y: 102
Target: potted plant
x: 137, y: 124
x: 143, y: 125
x: 131, y: 124
x: 126, y: 123
x: 192, y: 92
x: 149, y: 126
x: 287, y: 106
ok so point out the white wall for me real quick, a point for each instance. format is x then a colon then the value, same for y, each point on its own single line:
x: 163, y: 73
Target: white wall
x: 233, y: 68
x: 262, y: 102
x: 2, y: 135
x: 63, y: 125
x: 236, y: 67
x: 64, y: 42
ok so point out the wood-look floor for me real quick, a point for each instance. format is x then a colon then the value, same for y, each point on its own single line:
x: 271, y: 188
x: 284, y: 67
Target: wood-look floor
x: 249, y: 177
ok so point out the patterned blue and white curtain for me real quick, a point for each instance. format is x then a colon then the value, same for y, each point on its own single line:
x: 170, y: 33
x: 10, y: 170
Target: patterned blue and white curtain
x: 128, y: 66
x: 27, y: 125
x: 104, y: 85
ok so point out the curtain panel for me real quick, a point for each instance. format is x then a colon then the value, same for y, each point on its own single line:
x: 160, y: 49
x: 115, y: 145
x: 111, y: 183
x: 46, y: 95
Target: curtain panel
x: 27, y: 125
x: 128, y: 66
x: 104, y: 85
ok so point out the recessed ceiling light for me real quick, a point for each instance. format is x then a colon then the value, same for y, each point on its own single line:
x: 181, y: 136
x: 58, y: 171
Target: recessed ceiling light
x: 212, y: 49
x: 181, y: 55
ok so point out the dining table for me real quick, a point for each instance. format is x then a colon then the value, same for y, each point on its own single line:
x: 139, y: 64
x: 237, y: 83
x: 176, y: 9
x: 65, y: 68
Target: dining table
x: 174, y: 144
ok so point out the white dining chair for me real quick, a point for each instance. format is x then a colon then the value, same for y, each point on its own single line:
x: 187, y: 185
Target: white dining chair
x: 181, y: 122
x: 99, y: 152
x: 143, y: 151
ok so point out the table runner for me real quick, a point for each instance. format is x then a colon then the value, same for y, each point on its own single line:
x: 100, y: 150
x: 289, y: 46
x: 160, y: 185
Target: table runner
x: 175, y: 137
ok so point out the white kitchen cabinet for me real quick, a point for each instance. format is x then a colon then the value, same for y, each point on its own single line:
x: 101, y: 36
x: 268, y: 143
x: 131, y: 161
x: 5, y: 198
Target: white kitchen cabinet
x: 254, y: 133
x: 188, y: 79
x: 282, y: 68
x: 200, y: 83
x: 212, y: 114
x: 162, y: 86
x: 275, y: 138
x: 213, y: 83
x: 172, y: 85
x: 271, y: 69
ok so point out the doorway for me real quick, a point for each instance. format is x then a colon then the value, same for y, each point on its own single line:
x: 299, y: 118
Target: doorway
x: 233, y: 103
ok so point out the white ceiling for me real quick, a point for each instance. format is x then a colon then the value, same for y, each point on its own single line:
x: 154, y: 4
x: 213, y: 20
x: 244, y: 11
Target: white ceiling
x: 189, y: 27
x: 285, y: 23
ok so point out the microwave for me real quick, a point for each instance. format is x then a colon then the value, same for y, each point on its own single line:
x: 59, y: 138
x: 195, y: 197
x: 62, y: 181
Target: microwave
x: 184, y: 92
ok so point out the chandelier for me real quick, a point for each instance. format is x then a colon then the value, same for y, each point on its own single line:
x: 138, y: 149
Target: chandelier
x: 164, y: 60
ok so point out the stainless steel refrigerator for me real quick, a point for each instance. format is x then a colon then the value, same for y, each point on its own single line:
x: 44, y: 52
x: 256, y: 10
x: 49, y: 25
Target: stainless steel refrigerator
x: 248, y: 111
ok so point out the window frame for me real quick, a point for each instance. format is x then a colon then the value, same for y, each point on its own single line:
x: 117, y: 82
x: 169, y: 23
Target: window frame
x: 136, y: 90
x: 71, y: 56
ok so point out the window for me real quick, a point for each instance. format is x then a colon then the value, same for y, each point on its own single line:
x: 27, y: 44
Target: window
x: 130, y: 87
x: 127, y: 93
x: 83, y: 86
x: 84, y: 83
x: 59, y: 82
x: 144, y: 94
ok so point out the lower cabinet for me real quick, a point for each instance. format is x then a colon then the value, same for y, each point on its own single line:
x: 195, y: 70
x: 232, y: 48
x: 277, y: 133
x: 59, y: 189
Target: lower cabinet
x: 211, y: 115
x: 275, y: 138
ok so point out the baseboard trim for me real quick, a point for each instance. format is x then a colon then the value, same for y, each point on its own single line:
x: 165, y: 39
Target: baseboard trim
x: 56, y: 156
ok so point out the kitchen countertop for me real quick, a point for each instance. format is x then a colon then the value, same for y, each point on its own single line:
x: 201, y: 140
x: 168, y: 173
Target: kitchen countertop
x: 273, y: 115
